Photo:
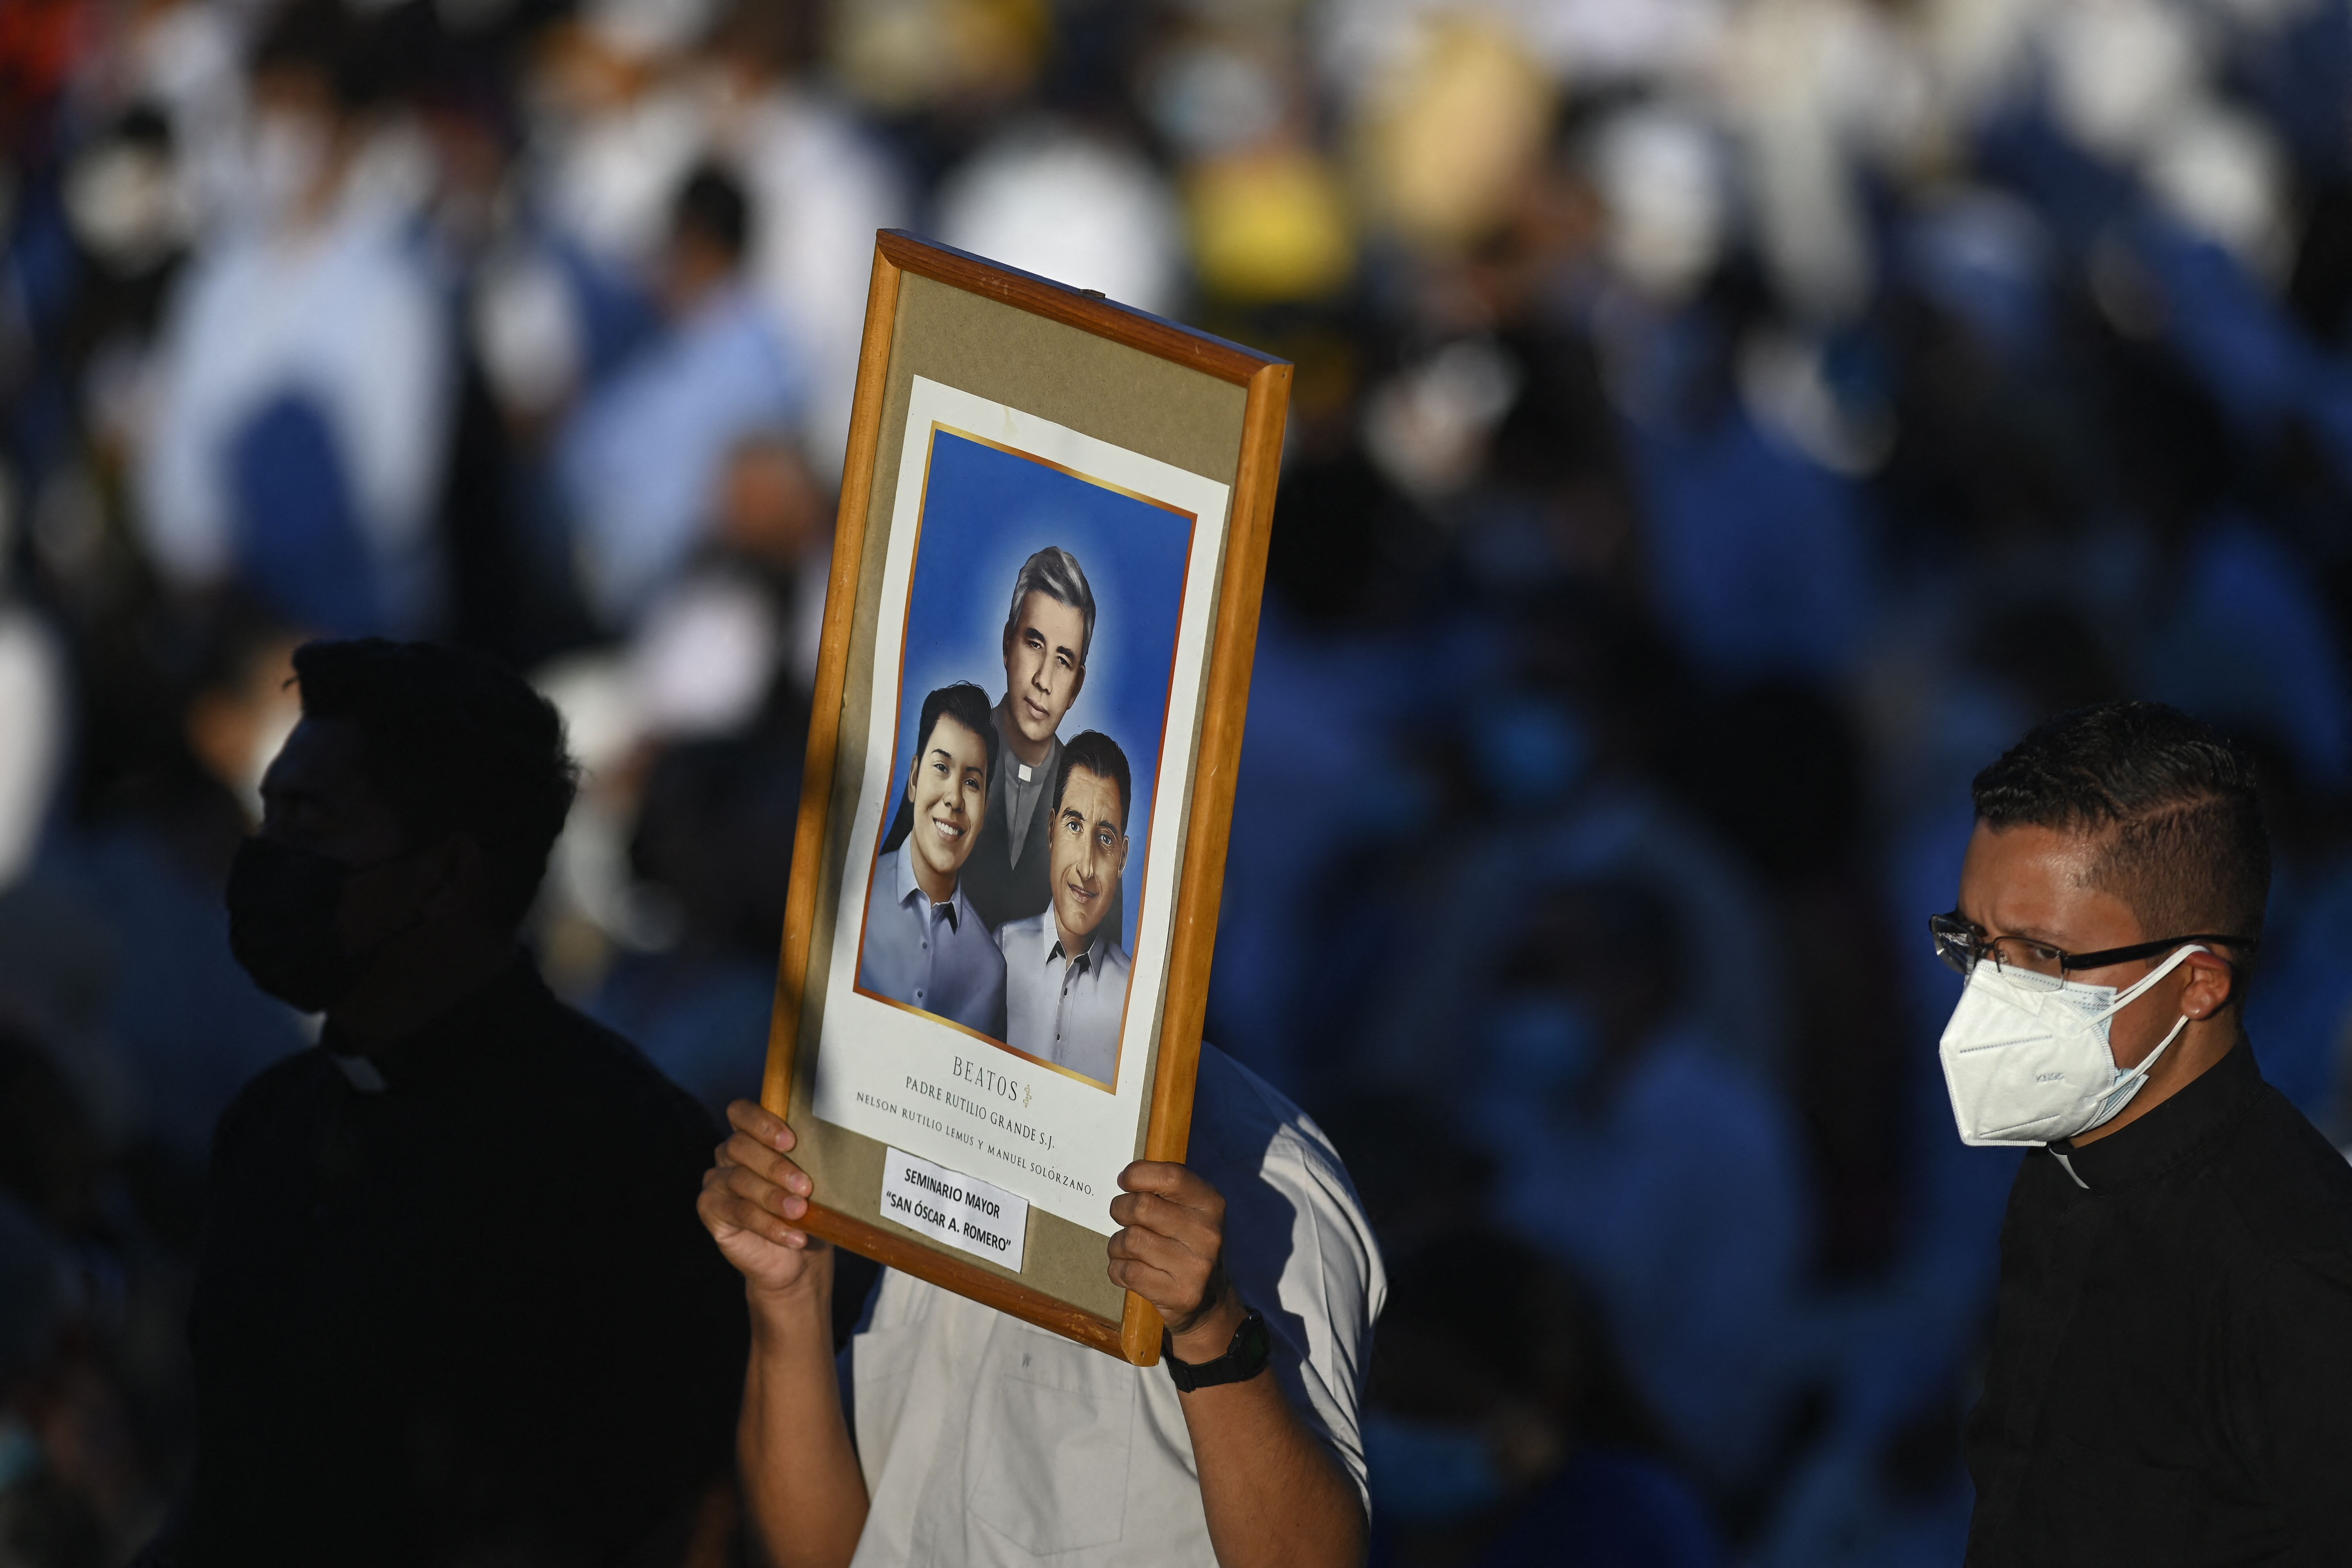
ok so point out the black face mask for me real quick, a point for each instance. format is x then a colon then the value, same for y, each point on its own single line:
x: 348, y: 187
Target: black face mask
x: 282, y: 903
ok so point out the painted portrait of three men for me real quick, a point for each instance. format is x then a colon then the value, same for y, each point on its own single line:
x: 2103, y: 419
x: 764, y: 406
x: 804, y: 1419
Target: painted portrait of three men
x: 1004, y: 883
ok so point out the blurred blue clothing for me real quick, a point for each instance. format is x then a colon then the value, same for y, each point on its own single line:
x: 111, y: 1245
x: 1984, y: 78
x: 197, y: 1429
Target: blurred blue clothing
x: 2250, y: 643
x: 1986, y: 258
x: 1320, y: 710
x: 2301, y: 1001
x: 190, y: 1025
x: 641, y: 461
x: 1608, y: 1510
x: 300, y: 549
x: 2298, y: 64
x: 1681, y: 1198
x: 2253, y: 359
x: 703, y: 1022
x: 1758, y: 558
x: 2077, y: 193
x: 1605, y: 1508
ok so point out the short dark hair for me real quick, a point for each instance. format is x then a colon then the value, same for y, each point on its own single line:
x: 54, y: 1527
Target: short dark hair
x: 361, y: 62
x: 2175, y: 804
x: 711, y: 206
x: 455, y: 744
x: 1099, y: 755
x: 966, y: 704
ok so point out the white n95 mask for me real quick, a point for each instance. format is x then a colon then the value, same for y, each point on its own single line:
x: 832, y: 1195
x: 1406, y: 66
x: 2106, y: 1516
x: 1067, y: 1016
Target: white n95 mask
x: 2026, y: 1057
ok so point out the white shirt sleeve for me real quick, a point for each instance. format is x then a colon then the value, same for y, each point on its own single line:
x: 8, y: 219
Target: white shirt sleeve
x: 1298, y: 1246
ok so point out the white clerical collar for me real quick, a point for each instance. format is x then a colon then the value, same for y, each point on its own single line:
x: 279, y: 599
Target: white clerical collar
x: 359, y: 1072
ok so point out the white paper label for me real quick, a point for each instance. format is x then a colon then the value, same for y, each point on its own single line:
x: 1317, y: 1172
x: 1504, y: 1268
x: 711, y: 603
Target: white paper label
x: 960, y: 1210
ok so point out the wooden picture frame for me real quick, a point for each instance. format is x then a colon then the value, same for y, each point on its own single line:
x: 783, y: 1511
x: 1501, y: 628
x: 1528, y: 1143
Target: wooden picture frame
x: 1086, y: 392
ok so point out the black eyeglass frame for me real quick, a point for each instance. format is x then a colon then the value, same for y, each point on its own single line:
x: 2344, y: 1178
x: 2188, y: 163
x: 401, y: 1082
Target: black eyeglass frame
x: 1961, y: 944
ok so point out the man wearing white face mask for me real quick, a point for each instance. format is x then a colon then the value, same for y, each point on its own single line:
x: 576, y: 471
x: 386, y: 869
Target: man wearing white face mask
x: 2171, y: 1371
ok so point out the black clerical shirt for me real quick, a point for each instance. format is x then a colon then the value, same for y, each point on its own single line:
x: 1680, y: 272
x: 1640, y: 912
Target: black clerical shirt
x: 455, y: 1304
x: 2171, y: 1372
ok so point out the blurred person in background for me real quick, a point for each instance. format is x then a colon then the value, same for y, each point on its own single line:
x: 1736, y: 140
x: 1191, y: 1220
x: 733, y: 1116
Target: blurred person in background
x: 150, y: 865
x: 1664, y: 1172
x: 302, y: 393
x: 712, y: 847
x: 821, y: 183
x: 681, y: 849
x: 46, y: 1520
x: 1503, y: 1431
x: 76, y: 1485
x: 376, y: 1379
x: 640, y: 459
x: 2171, y: 1371
x: 35, y: 704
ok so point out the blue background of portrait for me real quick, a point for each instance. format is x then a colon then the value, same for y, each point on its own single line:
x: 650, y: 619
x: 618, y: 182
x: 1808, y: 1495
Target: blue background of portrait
x: 985, y: 512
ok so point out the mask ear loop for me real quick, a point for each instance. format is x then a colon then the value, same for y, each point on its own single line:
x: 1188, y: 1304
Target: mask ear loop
x: 2140, y: 988
x: 2131, y: 1082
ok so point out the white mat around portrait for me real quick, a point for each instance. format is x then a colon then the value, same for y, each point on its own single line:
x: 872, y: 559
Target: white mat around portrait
x: 920, y: 1085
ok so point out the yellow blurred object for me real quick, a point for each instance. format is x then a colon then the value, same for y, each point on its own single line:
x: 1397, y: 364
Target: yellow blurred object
x: 1451, y: 136
x: 900, y: 55
x: 1270, y: 225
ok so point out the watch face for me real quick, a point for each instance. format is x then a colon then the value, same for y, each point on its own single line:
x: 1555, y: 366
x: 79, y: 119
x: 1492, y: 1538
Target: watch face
x: 1252, y: 1348
x: 1253, y: 1345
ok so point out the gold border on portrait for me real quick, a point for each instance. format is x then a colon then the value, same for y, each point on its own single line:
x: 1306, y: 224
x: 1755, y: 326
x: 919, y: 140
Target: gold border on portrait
x: 1159, y: 744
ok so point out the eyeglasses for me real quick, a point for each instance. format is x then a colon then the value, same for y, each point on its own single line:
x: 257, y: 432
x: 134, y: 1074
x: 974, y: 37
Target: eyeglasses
x: 1962, y: 944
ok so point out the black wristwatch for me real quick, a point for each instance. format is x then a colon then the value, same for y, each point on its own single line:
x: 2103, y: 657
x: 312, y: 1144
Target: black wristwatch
x: 1244, y: 1359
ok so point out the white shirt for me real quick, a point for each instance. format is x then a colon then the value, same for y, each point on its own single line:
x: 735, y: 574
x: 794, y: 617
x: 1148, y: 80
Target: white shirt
x: 348, y: 316
x: 1060, y: 1009
x: 987, y: 1443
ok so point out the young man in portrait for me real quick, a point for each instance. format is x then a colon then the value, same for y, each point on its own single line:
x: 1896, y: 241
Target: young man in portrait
x: 1047, y: 633
x: 924, y: 943
x: 2170, y: 1381
x: 1065, y: 973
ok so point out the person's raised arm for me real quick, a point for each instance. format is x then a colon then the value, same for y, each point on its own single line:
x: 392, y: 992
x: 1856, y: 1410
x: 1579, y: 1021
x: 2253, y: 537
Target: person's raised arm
x: 802, y: 1485
x: 1275, y: 1496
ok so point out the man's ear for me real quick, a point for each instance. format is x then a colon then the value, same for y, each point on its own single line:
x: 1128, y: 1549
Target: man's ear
x: 2213, y: 986
x: 1077, y: 686
x: 456, y: 874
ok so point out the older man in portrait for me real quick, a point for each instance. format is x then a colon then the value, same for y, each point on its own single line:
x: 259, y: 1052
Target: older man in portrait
x: 1048, y: 630
x: 924, y: 945
x: 1064, y: 971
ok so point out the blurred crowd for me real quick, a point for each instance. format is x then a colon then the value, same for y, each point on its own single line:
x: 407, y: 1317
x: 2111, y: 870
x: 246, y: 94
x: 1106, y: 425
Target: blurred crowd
x: 1720, y: 428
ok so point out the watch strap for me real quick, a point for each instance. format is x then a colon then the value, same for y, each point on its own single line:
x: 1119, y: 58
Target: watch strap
x: 1250, y: 1353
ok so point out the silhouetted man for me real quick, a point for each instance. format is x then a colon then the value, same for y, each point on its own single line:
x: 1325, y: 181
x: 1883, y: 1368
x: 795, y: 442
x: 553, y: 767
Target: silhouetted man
x: 391, y: 1366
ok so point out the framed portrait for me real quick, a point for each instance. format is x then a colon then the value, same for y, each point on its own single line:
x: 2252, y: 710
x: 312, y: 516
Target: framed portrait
x: 1029, y: 705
